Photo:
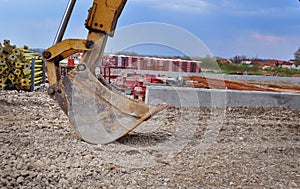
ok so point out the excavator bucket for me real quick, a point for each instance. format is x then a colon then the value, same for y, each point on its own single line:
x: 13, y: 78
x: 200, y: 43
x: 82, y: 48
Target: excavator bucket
x: 98, y: 114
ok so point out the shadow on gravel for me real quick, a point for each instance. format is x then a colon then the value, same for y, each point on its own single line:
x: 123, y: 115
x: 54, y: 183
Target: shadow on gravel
x: 4, y: 102
x: 142, y: 139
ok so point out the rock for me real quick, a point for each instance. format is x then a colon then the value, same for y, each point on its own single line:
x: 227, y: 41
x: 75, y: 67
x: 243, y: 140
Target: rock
x: 4, y: 181
x: 37, y: 164
x: 20, y: 180
x: 63, y: 181
x: 19, y: 166
x: 123, y: 170
x: 80, y: 178
x: 39, y: 177
x: 134, y: 182
x: 25, y: 173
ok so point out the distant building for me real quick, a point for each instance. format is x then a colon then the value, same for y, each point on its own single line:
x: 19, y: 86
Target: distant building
x: 286, y: 64
x: 273, y: 63
x: 246, y: 62
x: 224, y: 61
x: 294, y: 65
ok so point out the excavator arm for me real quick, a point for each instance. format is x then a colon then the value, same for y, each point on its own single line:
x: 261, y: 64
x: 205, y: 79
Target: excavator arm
x: 101, y: 22
x: 97, y: 112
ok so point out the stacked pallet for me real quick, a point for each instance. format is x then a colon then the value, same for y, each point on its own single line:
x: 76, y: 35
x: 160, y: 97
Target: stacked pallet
x: 20, y: 68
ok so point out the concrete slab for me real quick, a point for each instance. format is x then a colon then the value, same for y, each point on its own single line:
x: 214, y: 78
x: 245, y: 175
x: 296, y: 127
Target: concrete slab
x: 190, y: 97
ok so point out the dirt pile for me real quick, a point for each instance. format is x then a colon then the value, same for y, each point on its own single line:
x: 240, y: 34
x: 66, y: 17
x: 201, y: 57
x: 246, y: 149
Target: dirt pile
x: 212, y: 83
x: 178, y: 148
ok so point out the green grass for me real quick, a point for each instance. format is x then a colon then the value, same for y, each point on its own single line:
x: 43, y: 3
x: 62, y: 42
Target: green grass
x: 283, y: 71
x: 224, y: 68
x: 239, y: 68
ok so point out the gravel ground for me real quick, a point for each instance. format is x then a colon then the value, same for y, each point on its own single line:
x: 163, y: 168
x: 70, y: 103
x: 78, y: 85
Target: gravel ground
x: 178, y: 148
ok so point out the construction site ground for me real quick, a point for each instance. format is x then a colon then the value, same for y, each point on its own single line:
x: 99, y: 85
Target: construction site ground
x: 241, y: 147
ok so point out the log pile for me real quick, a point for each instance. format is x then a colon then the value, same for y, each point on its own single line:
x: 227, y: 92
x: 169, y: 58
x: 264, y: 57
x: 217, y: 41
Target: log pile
x: 20, y: 68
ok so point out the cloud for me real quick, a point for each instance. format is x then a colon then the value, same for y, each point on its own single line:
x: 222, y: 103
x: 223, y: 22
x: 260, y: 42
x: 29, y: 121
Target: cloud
x: 267, y: 38
x: 274, y: 8
x: 195, y: 6
x: 267, y: 12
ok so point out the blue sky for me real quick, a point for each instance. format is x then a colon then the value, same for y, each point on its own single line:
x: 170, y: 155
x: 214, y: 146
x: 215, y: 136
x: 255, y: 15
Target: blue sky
x: 263, y: 28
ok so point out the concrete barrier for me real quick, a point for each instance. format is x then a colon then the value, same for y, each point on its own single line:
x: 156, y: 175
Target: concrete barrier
x: 190, y: 97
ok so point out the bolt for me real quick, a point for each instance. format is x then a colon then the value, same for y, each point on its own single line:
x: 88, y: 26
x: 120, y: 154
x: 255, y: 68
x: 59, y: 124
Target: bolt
x: 89, y: 44
x: 81, y: 67
x: 47, y: 54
